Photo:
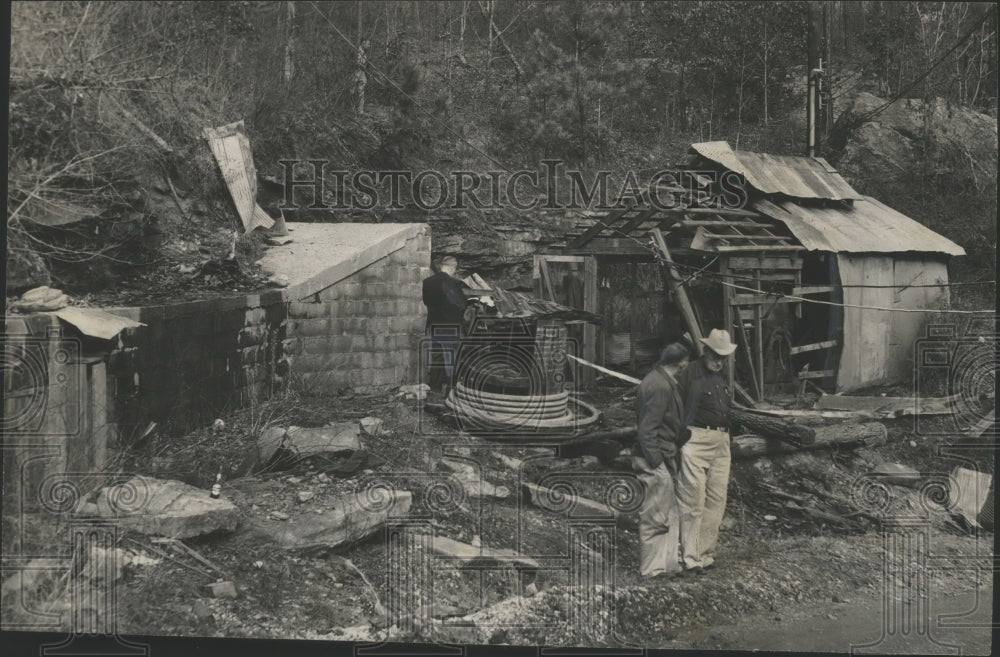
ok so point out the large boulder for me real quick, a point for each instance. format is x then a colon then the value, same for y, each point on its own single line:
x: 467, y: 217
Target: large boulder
x: 166, y: 508
x: 348, y: 520
x: 893, y: 143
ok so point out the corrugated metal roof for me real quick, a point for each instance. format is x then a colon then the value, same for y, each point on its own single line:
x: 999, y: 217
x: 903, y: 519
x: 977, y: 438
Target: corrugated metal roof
x: 801, y: 177
x: 510, y: 303
x: 867, y: 227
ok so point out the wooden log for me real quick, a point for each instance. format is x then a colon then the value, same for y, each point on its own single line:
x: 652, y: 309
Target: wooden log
x: 773, y: 427
x: 866, y: 434
x: 673, y: 281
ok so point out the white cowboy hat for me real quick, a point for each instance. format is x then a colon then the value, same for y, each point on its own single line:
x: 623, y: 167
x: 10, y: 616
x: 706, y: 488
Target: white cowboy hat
x: 719, y: 342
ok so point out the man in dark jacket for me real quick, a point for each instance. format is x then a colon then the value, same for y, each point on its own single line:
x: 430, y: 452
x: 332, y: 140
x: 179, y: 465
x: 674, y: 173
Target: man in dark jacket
x: 703, y: 478
x: 445, y: 301
x: 660, y: 413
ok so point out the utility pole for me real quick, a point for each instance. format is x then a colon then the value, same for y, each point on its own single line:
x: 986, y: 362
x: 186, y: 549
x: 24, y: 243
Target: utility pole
x: 813, y: 71
x: 827, y: 81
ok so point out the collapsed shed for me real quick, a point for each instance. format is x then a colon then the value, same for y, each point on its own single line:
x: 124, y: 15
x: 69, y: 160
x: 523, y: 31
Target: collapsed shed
x: 813, y: 279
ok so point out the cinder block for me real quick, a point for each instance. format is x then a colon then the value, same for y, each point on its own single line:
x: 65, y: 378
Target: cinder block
x: 338, y: 326
x: 359, y: 343
x: 341, y: 344
x: 310, y: 327
x: 298, y: 309
x: 355, y: 326
x: 253, y: 335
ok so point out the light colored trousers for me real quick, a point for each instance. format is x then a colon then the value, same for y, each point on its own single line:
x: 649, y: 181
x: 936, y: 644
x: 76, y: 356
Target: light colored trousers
x: 702, y: 483
x: 659, y: 521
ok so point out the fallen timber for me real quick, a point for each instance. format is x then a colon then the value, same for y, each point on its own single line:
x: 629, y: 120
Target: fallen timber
x: 773, y: 427
x: 865, y: 434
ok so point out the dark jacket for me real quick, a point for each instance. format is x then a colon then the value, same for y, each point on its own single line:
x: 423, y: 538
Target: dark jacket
x: 706, y: 396
x: 444, y: 300
x: 659, y: 413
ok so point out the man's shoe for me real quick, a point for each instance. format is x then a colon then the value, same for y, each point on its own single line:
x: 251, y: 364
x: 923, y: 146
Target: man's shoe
x: 694, y: 570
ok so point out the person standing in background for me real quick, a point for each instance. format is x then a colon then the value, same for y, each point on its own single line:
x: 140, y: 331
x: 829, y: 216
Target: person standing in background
x: 443, y: 295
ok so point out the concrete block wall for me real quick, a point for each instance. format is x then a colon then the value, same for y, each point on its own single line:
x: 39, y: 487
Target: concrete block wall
x: 193, y: 360
x: 364, y: 331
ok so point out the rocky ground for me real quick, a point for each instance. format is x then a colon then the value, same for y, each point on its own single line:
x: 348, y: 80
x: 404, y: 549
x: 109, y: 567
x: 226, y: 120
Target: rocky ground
x: 556, y: 578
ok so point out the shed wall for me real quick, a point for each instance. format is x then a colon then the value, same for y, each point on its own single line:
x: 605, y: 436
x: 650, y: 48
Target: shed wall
x: 877, y: 344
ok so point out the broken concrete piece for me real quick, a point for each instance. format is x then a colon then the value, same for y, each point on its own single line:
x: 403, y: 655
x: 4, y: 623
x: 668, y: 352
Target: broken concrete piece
x: 478, y: 557
x: 166, y: 508
x: 509, y: 461
x: 222, y: 589
x: 896, y: 473
x: 371, y: 425
x: 340, y: 437
x: 305, y: 495
x: 346, y: 522
x: 201, y: 610
x: 278, y: 515
x: 573, y: 506
x: 417, y: 391
x: 474, y: 485
x: 269, y: 442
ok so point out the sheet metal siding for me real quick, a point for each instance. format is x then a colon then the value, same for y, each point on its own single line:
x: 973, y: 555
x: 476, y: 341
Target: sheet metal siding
x: 864, y: 360
x: 868, y: 226
x: 801, y: 177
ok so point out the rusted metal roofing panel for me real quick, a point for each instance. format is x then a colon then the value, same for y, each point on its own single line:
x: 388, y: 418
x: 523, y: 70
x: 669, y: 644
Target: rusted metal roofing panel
x: 867, y: 226
x: 801, y: 177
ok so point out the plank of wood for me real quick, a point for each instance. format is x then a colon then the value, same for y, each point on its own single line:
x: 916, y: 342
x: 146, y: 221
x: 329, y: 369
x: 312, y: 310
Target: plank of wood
x: 483, y: 557
x: 766, y: 262
x: 618, y: 375
x: 544, y: 267
x: 889, y: 406
x: 826, y: 344
x: 742, y: 392
x: 727, y: 319
x: 572, y: 506
x: 758, y: 300
x: 812, y: 289
x: 673, y: 281
x: 608, y: 220
x: 758, y: 325
x: 818, y: 374
x: 747, y: 249
x: 694, y: 223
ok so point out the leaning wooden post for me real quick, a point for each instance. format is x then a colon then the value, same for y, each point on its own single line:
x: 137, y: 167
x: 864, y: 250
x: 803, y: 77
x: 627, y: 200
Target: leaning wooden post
x: 673, y: 282
x: 727, y: 315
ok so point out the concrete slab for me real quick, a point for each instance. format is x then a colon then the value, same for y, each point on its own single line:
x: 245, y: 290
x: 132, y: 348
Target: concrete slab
x: 323, y: 254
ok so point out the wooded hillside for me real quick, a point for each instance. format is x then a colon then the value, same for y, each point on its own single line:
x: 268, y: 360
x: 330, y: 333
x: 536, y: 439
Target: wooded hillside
x: 108, y: 101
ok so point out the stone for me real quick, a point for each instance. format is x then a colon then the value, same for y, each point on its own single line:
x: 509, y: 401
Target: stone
x: 574, y: 506
x: 530, y: 590
x: 222, y: 589
x: 305, y: 495
x: 340, y: 437
x: 474, y: 485
x: 279, y: 515
x: 347, y: 521
x: 371, y: 425
x: 472, y: 556
x: 417, y: 391
x: 166, y: 508
x: 269, y: 441
x: 201, y: 610
x: 896, y: 473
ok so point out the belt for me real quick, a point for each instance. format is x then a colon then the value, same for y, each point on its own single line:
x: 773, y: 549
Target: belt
x: 722, y: 429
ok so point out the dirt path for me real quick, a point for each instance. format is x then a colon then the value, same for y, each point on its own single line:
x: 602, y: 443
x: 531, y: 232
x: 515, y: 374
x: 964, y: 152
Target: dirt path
x: 956, y: 622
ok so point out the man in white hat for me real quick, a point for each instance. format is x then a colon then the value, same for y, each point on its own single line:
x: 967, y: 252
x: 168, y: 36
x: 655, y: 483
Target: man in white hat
x: 703, y: 476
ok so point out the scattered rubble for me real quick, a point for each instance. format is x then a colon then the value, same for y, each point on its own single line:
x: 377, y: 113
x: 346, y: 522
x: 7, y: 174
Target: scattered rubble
x: 222, y: 589
x: 371, y: 425
x: 166, y: 508
x: 472, y: 482
x: 417, y: 391
x: 344, y: 436
x: 470, y: 556
x: 349, y: 520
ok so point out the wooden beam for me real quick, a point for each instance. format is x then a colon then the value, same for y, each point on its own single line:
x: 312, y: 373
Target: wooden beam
x: 812, y: 289
x: 544, y: 267
x: 708, y: 223
x: 727, y: 318
x: 673, y: 282
x: 766, y: 262
x: 590, y: 305
x: 819, y: 374
x: 634, y: 222
x: 759, y: 337
x: 758, y: 300
x: 747, y: 249
x: 813, y: 347
x: 741, y: 334
x: 634, y: 320
x: 592, y: 232
x: 741, y: 236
